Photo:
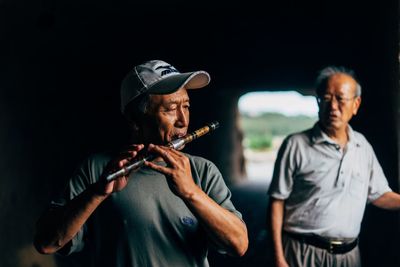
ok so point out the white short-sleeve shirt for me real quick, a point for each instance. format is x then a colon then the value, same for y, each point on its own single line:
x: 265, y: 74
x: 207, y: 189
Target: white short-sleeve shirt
x: 324, y: 187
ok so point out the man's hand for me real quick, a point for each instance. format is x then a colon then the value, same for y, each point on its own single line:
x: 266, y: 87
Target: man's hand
x: 105, y: 188
x: 177, y: 169
x: 221, y: 225
x: 58, y: 226
x: 277, y: 214
x: 281, y: 263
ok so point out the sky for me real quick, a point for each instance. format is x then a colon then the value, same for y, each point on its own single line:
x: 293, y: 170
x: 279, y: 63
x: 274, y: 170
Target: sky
x: 290, y: 103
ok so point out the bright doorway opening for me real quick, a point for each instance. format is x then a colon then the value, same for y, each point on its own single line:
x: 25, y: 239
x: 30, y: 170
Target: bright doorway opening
x: 266, y: 118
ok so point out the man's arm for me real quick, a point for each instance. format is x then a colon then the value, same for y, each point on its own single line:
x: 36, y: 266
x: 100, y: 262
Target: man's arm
x: 59, y: 225
x: 389, y: 201
x: 222, y: 226
x: 277, y: 213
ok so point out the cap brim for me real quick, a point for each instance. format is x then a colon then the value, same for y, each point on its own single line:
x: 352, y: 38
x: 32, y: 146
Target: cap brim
x: 171, y: 84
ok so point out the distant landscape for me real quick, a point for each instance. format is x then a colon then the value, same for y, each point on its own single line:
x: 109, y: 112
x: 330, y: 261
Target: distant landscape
x: 261, y: 130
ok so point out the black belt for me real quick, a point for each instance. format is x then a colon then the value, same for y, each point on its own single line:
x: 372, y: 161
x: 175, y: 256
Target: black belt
x: 332, y: 246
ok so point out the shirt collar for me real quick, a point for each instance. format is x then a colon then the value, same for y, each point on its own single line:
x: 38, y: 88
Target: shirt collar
x: 318, y: 136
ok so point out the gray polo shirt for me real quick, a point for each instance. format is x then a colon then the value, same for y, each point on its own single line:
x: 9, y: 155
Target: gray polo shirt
x: 145, y: 224
x: 326, y: 189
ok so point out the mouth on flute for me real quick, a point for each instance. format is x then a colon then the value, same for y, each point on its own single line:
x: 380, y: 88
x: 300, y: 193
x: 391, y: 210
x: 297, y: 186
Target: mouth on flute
x: 178, y: 135
x: 178, y: 143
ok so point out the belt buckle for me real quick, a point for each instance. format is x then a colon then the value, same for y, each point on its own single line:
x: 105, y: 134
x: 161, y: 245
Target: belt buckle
x: 333, y: 244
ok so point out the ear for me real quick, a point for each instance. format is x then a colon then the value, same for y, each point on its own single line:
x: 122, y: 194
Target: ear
x: 356, y: 105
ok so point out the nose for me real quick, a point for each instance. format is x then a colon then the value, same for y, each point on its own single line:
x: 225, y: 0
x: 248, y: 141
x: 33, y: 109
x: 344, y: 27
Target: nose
x: 333, y: 103
x: 182, y: 117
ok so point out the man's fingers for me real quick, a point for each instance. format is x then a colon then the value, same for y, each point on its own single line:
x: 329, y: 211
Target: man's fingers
x: 175, y: 152
x: 128, y: 154
x: 131, y: 152
x: 135, y: 147
x: 162, y: 169
x: 121, y: 163
x: 166, y: 153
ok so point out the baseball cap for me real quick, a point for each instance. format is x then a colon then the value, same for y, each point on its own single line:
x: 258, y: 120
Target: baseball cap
x: 158, y: 77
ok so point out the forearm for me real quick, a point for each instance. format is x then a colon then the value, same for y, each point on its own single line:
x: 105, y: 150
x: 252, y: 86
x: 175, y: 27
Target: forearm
x: 277, y: 213
x: 389, y: 201
x: 58, y: 226
x: 223, y: 226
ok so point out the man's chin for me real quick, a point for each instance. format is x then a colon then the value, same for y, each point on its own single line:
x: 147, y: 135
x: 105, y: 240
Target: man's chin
x: 333, y: 127
x: 331, y: 124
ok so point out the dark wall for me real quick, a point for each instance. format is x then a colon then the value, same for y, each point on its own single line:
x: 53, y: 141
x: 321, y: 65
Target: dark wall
x: 62, y: 62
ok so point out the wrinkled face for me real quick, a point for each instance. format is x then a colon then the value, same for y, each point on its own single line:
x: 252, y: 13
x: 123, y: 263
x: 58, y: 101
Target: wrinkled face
x: 168, y: 117
x: 339, y: 103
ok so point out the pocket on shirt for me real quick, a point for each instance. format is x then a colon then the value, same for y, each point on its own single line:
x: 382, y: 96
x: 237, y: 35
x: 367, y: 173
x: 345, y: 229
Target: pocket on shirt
x: 357, y: 186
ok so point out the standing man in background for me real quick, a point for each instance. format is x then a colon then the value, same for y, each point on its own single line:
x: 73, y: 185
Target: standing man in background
x: 323, y: 179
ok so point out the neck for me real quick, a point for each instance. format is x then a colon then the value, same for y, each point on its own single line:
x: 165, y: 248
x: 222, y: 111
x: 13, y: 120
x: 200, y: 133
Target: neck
x: 338, y: 135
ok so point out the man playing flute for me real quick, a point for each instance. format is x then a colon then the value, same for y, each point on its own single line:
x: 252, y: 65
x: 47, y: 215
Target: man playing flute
x: 167, y: 213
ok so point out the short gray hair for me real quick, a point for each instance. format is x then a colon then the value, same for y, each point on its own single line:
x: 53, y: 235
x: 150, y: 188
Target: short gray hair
x: 137, y: 107
x: 135, y: 113
x: 326, y: 73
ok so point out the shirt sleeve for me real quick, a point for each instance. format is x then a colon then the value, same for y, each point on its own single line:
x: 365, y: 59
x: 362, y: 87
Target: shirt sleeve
x: 214, y: 186
x: 378, y: 184
x: 282, y: 178
x: 210, y: 179
x: 87, y: 173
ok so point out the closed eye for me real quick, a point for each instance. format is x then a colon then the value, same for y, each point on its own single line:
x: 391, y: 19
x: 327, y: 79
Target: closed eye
x: 172, y: 107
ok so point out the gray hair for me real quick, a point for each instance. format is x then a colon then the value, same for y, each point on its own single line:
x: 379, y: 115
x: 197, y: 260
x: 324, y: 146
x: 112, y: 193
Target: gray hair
x: 137, y: 107
x: 326, y: 73
x: 136, y: 111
